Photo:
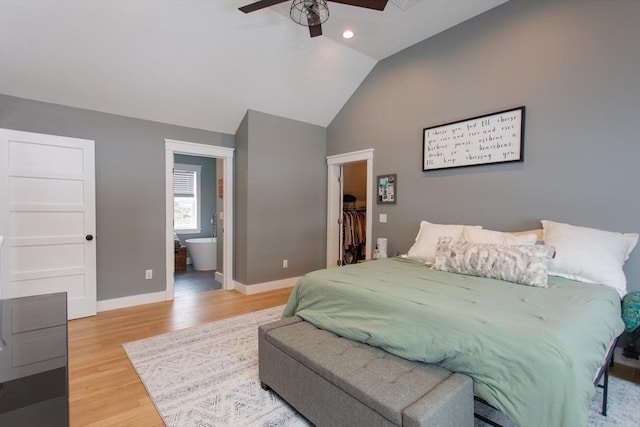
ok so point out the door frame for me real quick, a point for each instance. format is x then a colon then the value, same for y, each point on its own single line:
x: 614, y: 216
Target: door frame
x: 173, y: 147
x: 334, y: 164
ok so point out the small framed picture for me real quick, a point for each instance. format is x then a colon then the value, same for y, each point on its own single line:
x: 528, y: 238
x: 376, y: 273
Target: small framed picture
x: 387, y: 189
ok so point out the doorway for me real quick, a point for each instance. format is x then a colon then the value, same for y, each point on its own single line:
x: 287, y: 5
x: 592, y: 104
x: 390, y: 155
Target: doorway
x: 197, y: 209
x: 223, y: 222
x: 354, y: 212
x: 335, y: 203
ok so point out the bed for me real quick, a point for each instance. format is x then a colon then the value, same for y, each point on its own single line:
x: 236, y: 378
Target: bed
x: 532, y: 352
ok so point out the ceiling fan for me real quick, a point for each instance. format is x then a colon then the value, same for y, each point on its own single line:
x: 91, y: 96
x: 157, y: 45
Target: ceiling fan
x: 313, y: 13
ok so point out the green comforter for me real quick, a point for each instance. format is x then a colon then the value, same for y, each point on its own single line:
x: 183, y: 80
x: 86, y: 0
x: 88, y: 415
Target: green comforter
x: 532, y: 352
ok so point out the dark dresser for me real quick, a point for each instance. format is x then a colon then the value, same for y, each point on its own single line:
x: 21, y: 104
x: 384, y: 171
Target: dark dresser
x: 33, y: 361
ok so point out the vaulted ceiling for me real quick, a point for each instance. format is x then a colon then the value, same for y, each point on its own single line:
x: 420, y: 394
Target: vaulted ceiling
x: 203, y: 63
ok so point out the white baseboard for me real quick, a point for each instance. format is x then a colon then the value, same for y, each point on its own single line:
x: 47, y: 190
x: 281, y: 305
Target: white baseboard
x: 115, y: 303
x: 219, y: 277
x: 265, y: 286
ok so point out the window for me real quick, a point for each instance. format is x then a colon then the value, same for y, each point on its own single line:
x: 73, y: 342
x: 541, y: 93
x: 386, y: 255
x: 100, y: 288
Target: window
x: 186, y: 198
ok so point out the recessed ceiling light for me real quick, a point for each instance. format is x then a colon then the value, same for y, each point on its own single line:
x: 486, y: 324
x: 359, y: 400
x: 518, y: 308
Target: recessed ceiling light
x: 347, y: 34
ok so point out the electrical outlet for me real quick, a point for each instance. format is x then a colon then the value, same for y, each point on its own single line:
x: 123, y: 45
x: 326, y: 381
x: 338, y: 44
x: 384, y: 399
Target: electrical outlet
x: 285, y: 263
x: 383, y: 218
x: 148, y: 274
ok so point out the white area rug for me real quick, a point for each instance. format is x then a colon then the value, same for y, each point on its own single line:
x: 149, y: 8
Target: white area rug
x: 207, y: 375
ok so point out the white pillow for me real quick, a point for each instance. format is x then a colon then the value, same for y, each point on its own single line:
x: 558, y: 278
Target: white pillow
x: 588, y: 254
x: 424, y: 248
x: 491, y: 237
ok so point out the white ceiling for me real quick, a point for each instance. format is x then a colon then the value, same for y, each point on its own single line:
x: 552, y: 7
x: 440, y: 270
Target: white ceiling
x: 203, y: 63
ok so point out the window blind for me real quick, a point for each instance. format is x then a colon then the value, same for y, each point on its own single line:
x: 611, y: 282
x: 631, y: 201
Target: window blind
x: 184, y: 183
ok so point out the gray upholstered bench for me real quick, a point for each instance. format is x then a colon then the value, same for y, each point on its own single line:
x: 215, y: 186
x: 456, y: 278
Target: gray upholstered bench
x: 334, y: 381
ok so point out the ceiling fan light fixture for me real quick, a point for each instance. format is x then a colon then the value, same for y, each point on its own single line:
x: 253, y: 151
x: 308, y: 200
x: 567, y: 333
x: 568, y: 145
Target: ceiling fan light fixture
x: 309, y: 12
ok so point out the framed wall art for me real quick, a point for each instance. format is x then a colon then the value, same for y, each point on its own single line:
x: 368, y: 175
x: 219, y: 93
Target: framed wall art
x: 387, y: 189
x: 491, y: 138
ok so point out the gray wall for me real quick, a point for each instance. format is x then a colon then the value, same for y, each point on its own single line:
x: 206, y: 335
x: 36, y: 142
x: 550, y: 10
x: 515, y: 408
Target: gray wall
x: 281, y: 193
x: 241, y: 201
x: 130, y: 185
x: 575, y: 65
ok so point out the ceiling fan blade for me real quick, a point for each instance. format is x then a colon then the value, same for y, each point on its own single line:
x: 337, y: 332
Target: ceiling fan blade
x: 315, y: 30
x: 260, y: 5
x: 369, y: 4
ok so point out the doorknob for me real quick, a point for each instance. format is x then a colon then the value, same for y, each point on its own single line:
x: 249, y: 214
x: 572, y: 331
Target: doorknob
x: 88, y: 237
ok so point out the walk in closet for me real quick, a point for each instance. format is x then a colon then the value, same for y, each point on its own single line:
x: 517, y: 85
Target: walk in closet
x: 354, y: 212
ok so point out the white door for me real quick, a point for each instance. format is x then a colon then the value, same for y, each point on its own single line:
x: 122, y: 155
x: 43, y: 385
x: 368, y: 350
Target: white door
x: 47, y: 218
x: 334, y: 215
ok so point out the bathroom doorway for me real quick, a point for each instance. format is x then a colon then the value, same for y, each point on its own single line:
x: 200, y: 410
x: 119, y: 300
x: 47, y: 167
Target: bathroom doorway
x: 215, y: 217
x: 197, y: 208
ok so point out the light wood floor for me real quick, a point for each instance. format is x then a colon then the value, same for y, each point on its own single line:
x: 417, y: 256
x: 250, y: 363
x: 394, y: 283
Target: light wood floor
x: 104, y: 389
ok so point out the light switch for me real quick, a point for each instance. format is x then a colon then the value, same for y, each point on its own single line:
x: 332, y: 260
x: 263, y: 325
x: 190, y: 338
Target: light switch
x: 383, y: 217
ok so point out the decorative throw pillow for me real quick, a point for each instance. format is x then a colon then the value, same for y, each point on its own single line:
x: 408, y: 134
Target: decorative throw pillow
x: 588, y: 254
x: 424, y: 248
x: 523, y: 264
x: 479, y: 235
